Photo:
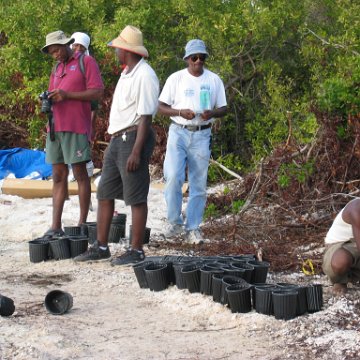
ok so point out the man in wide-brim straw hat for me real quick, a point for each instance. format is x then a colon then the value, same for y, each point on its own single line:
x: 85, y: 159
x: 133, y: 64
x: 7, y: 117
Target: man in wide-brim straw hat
x: 71, y: 92
x: 125, y: 173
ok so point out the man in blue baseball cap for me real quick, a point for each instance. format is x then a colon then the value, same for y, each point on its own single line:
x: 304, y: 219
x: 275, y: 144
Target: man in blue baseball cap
x: 192, y: 97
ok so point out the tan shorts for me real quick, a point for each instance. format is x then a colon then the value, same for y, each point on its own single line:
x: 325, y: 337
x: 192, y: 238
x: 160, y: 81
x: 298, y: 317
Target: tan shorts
x: 354, y: 273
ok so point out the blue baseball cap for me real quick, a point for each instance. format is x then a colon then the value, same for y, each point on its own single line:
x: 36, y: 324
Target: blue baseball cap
x: 195, y: 46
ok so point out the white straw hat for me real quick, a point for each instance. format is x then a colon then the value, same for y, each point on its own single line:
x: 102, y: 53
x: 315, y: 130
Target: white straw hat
x: 130, y: 39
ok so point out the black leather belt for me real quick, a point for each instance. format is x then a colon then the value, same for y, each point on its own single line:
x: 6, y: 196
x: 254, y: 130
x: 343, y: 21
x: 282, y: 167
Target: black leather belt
x: 193, y: 127
x: 123, y: 131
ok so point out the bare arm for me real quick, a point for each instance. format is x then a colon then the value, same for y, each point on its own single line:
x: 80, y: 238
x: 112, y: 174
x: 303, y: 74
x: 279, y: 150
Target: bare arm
x: 86, y: 95
x: 167, y: 110
x: 215, y: 113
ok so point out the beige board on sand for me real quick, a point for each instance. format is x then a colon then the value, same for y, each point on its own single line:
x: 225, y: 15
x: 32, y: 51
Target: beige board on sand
x: 30, y: 189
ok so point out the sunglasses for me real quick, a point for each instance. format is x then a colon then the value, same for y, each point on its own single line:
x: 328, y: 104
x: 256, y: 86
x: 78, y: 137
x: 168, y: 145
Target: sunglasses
x: 195, y: 58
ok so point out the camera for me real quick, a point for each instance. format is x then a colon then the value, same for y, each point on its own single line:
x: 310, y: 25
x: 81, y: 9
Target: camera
x: 45, y: 102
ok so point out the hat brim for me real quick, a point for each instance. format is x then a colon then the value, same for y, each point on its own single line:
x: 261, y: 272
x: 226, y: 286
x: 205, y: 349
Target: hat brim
x: 58, y: 42
x: 136, y: 49
x: 194, y: 53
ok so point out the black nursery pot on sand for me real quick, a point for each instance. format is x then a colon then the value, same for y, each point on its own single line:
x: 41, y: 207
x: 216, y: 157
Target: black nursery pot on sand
x: 314, y: 297
x: 60, y: 248
x: 38, y: 250
x: 301, y: 303
x: 84, y: 227
x: 78, y: 245
x: 139, y: 270
x: 216, y: 286
x: 117, y: 231
x: 72, y: 230
x: 230, y: 280
x: 206, y: 273
x: 263, y: 299
x: 157, y: 276
x: 119, y: 219
x: 284, y: 303
x: 191, y: 274
x: 146, y: 238
x: 7, y: 306
x: 261, y: 269
x: 58, y: 302
x: 239, y: 298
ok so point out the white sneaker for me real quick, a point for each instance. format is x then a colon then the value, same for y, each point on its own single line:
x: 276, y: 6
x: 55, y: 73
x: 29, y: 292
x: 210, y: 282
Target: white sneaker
x: 194, y: 237
x: 173, y: 230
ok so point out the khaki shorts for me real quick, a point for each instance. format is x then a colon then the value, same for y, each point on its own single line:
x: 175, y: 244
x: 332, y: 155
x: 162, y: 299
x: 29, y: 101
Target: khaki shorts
x: 354, y: 273
x: 67, y: 148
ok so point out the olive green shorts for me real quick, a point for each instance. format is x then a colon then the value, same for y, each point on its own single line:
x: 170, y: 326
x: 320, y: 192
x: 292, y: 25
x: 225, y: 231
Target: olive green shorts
x: 67, y: 148
x: 354, y: 274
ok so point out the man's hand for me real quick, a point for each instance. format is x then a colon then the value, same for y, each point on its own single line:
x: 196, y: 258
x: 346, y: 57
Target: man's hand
x: 133, y: 162
x: 207, y: 114
x: 58, y: 95
x: 187, y: 114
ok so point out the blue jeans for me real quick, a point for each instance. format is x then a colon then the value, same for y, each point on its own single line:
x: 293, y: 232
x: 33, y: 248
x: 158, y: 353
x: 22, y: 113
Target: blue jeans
x: 191, y: 148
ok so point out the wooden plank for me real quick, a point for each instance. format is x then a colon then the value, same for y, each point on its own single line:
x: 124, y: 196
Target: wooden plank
x: 30, y: 189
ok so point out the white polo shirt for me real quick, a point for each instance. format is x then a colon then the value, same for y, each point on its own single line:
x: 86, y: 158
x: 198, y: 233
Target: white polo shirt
x: 136, y: 94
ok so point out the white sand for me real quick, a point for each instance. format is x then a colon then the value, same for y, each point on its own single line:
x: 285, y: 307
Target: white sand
x: 112, y: 318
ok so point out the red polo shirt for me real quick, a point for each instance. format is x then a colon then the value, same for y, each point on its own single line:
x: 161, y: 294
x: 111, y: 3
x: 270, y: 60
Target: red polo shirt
x: 75, y: 115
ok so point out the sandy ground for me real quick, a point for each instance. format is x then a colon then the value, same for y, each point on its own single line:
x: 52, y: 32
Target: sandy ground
x: 112, y: 318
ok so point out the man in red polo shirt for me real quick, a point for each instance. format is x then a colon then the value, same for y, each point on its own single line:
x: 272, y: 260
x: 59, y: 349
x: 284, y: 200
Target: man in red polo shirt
x: 71, y: 92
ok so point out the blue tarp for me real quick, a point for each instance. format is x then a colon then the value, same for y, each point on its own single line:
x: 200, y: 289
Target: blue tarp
x: 23, y: 162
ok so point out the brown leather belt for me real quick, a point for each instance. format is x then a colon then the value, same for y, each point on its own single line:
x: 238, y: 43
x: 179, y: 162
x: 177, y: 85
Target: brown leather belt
x: 193, y: 127
x: 123, y: 131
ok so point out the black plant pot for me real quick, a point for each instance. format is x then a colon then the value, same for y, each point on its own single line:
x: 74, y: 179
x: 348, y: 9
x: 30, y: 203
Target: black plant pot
x: 262, y: 300
x: 58, y: 302
x: 314, y: 297
x: 191, y: 275
x: 285, y: 304
x: 216, y: 286
x: 39, y: 250
x: 244, y: 258
x: 179, y: 276
x: 146, y: 238
x: 72, y: 230
x: 206, y: 274
x: 157, y: 276
x: 117, y: 231
x: 92, y: 233
x: 84, y: 227
x: 78, y: 245
x: 301, y: 307
x: 260, y: 272
x: 245, y: 269
x: 230, y: 280
x: 60, y: 248
x: 239, y: 298
x: 139, y: 270
x: 119, y: 219
x: 7, y: 306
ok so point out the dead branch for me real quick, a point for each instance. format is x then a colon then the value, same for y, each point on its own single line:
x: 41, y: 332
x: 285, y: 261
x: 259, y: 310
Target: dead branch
x: 226, y: 169
x: 254, y: 189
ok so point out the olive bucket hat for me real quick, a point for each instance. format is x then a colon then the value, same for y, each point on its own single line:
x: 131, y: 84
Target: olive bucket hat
x: 56, y: 38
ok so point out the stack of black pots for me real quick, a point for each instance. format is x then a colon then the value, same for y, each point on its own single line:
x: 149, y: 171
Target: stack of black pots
x: 238, y: 282
x: 74, y: 242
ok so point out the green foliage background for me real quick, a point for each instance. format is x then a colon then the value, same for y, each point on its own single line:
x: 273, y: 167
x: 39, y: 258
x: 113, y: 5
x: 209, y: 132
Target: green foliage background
x: 280, y: 60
